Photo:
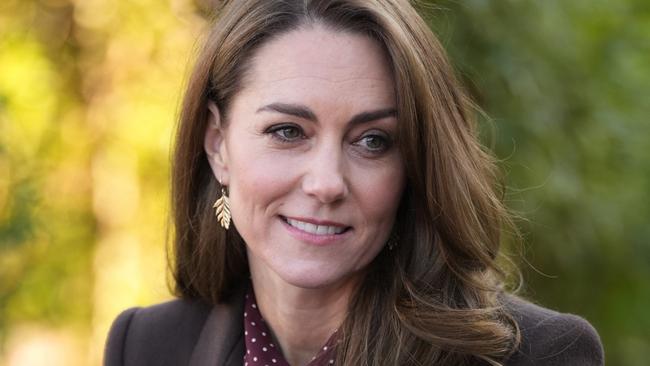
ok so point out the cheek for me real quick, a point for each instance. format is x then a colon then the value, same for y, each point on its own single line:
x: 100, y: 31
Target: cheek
x: 257, y: 184
x: 380, y: 193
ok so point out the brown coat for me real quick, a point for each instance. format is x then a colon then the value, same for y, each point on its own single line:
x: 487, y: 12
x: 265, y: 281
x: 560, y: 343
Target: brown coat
x: 182, y: 332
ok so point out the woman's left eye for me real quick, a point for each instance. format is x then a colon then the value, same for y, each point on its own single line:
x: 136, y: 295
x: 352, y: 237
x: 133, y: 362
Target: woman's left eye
x: 374, y: 143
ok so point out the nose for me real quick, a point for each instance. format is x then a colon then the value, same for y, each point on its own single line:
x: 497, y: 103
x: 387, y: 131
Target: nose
x: 324, y: 178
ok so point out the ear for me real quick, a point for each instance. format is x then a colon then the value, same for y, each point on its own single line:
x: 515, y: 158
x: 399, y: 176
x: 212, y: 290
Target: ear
x: 214, y: 145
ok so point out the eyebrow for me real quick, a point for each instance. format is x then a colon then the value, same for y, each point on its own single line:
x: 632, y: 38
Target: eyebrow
x: 304, y: 112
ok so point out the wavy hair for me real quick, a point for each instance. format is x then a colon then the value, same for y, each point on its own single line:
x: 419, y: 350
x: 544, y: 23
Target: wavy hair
x: 435, y: 299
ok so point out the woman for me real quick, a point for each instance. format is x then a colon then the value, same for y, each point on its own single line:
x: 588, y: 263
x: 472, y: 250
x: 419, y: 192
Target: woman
x: 357, y: 219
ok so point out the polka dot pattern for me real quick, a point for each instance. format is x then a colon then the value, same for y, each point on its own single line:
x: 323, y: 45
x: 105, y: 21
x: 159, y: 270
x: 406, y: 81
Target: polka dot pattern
x: 260, y: 349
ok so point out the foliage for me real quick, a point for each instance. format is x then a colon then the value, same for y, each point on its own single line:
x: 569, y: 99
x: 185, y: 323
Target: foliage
x: 566, y: 87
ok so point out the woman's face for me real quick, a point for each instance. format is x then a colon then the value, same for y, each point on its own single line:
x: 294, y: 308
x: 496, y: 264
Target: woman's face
x: 310, y: 157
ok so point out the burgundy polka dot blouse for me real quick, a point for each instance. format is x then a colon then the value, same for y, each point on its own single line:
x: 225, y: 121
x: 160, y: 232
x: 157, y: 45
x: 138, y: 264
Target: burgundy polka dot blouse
x: 260, y: 347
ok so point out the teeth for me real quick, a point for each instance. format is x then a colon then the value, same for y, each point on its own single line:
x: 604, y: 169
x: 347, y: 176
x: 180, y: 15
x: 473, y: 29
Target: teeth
x: 315, y: 229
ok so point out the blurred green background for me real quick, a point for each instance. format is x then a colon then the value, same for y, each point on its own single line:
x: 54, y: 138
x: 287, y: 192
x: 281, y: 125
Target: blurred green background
x: 89, y: 92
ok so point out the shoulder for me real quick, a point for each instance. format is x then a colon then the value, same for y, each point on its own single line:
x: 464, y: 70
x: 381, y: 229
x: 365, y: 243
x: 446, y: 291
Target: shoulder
x: 163, y: 334
x: 551, y: 338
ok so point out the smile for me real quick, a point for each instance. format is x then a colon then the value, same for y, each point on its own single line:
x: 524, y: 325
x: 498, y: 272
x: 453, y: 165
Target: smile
x: 315, y: 229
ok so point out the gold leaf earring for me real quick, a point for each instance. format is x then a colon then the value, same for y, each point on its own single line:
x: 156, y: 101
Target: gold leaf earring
x: 222, y: 209
x: 393, y: 240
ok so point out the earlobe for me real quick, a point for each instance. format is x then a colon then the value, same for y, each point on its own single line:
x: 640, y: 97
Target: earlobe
x: 214, y: 144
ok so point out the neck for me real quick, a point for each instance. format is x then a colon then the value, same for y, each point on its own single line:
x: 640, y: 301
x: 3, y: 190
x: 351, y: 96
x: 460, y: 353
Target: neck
x: 302, y: 320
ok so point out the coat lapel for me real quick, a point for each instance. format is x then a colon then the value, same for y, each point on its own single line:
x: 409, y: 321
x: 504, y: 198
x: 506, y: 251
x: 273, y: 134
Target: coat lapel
x: 221, y: 342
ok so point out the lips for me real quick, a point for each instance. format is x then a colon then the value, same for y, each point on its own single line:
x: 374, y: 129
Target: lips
x: 316, y: 227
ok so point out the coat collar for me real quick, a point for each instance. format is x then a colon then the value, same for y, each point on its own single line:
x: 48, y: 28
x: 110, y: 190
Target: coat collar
x: 221, y: 341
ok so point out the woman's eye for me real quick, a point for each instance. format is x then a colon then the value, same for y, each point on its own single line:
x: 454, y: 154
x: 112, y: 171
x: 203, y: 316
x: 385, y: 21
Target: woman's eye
x: 374, y: 143
x: 286, y: 133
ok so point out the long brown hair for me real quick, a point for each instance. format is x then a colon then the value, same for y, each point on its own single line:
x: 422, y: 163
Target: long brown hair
x: 435, y: 298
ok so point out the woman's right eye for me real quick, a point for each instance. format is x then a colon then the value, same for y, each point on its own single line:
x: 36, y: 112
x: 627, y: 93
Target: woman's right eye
x: 286, y: 132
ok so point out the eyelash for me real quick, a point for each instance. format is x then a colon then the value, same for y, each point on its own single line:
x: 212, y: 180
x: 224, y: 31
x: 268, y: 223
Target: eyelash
x: 385, y: 140
x: 276, y: 132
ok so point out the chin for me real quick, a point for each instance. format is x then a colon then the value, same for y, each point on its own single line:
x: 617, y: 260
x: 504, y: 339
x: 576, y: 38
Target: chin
x: 312, y: 278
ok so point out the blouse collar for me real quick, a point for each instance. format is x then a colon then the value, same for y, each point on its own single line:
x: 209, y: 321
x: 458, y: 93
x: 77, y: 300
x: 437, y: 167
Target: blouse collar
x: 262, y: 350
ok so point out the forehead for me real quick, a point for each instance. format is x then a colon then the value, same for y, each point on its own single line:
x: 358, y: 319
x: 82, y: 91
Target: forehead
x: 318, y: 62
